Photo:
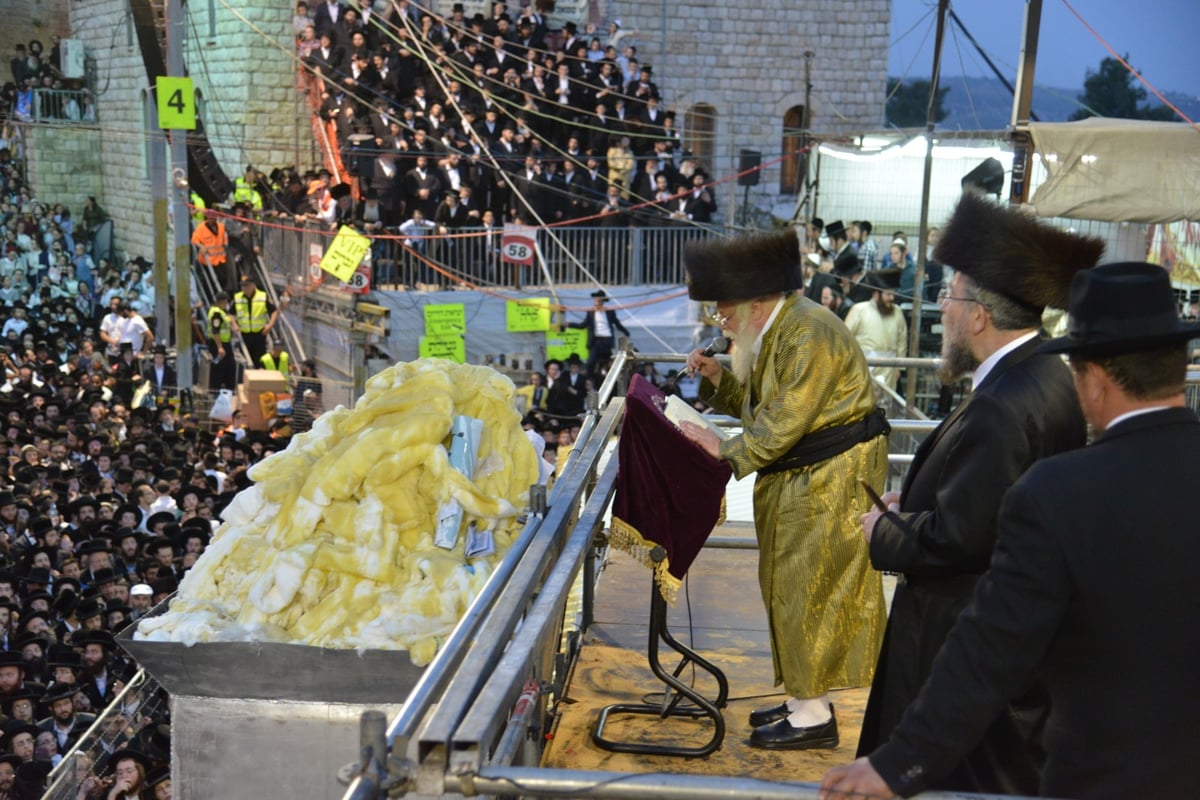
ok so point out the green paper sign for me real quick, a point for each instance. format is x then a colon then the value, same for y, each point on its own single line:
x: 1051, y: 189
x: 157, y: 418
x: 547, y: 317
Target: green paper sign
x: 451, y: 348
x: 528, y: 315
x: 444, y: 319
x: 560, y: 344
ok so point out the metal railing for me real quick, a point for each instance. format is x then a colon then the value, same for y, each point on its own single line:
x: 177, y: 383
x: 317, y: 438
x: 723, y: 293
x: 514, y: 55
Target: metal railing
x: 71, y: 106
x: 133, y: 713
x: 475, y: 736
x: 612, y: 256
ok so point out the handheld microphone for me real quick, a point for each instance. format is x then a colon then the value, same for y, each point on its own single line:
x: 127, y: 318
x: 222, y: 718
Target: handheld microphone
x: 718, y: 345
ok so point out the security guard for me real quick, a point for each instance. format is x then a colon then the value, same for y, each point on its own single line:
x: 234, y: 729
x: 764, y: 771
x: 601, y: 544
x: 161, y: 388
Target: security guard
x: 277, y: 359
x: 255, y: 317
x: 198, y: 208
x: 220, y: 330
x: 211, y: 240
x: 245, y: 190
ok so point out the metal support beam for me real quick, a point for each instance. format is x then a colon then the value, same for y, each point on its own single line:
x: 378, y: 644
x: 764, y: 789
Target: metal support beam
x: 914, y: 334
x: 538, y: 782
x: 176, y: 31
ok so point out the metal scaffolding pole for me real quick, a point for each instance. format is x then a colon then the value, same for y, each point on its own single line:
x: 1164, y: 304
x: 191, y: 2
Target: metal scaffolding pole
x: 179, y: 186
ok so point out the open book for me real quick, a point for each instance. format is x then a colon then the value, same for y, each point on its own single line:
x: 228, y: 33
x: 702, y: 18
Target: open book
x: 677, y: 410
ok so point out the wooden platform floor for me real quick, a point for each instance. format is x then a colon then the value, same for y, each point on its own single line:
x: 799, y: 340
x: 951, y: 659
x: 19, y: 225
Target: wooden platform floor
x: 728, y: 626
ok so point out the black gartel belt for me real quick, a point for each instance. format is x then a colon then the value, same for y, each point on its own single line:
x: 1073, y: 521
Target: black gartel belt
x: 827, y: 443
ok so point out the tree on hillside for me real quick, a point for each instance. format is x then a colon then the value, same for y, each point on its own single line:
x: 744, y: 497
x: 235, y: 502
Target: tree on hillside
x: 1112, y: 92
x: 909, y: 103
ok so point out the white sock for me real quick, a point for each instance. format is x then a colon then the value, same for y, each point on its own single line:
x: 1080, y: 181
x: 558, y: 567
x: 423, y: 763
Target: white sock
x: 808, y: 711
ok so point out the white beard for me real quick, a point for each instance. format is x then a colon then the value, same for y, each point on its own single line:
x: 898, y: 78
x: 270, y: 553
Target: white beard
x: 743, y: 357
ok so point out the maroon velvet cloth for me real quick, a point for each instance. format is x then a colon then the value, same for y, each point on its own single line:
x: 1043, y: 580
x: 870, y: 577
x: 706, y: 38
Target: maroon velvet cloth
x: 668, y: 489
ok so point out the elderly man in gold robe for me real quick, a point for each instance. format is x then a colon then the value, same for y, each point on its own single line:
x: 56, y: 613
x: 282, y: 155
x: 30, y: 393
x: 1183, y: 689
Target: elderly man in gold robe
x: 811, y: 430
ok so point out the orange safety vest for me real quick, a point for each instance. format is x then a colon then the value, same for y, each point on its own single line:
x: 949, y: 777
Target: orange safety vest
x: 211, y: 245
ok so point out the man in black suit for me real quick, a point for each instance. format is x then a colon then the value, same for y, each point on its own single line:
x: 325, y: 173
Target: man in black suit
x: 845, y: 263
x: 326, y: 16
x: 569, y: 391
x: 1092, y: 585
x: 161, y: 376
x: 601, y: 325
x: 1022, y: 408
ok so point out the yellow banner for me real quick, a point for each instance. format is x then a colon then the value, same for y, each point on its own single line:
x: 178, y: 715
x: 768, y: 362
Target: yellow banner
x: 528, y: 315
x: 443, y: 319
x: 560, y: 344
x: 345, y: 253
x: 451, y: 348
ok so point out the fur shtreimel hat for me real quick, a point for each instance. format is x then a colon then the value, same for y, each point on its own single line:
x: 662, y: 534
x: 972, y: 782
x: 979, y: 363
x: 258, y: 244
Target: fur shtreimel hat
x: 1007, y: 251
x: 743, y: 268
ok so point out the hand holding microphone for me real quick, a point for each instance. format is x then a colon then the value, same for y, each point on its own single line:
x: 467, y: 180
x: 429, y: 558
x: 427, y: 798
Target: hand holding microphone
x: 702, y: 361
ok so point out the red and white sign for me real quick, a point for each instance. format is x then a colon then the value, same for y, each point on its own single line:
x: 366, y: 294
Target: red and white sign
x: 518, y: 244
x: 315, y: 251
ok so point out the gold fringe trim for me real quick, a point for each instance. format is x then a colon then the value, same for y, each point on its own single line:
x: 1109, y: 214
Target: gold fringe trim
x: 628, y: 539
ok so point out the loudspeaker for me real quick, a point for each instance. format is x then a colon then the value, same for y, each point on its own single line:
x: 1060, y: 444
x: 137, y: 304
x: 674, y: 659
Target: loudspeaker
x: 748, y: 168
x: 988, y: 177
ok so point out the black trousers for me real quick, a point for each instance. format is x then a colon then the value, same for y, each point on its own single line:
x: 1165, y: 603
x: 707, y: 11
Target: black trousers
x: 256, y: 343
x: 223, y: 373
x: 599, y: 354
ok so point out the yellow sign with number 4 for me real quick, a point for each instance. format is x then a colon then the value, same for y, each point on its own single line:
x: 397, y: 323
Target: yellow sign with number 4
x: 176, y: 104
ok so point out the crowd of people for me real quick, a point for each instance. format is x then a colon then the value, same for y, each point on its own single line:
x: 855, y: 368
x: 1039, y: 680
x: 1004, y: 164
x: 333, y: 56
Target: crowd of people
x: 111, y: 489
x: 447, y: 128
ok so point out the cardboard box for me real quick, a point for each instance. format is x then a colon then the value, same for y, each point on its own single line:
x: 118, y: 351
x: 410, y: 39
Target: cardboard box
x: 247, y: 402
x: 265, y: 380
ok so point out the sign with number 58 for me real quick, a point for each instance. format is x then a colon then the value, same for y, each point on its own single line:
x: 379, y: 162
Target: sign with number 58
x: 518, y: 245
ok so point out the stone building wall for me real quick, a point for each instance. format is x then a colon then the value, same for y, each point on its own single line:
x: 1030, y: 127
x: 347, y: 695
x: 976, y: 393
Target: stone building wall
x: 64, y: 165
x: 247, y: 101
x: 107, y: 33
x: 252, y: 111
x: 747, y: 61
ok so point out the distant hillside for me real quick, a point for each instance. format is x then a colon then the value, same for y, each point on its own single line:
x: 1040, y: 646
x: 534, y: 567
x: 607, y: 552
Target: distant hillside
x: 984, y: 103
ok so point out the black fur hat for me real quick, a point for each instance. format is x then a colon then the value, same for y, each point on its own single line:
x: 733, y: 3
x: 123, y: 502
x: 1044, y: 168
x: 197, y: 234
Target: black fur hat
x: 743, y: 268
x: 1011, y: 252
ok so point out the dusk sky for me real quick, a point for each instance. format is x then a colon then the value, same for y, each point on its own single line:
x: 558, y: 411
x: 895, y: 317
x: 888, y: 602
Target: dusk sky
x: 1160, y: 37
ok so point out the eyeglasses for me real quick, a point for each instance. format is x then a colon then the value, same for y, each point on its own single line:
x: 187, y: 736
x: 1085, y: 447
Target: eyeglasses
x: 718, y: 319
x: 945, y: 295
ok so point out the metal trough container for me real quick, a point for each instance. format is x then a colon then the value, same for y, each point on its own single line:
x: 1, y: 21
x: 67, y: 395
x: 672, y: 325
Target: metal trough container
x: 269, y: 720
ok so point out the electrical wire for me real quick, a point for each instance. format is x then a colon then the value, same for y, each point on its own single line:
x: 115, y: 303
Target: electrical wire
x: 963, y: 69
x: 1126, y: 64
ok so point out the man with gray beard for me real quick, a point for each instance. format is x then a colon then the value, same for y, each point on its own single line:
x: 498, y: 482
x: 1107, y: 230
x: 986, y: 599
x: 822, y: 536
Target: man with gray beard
x: 810, y: 429
x: 941, y: 528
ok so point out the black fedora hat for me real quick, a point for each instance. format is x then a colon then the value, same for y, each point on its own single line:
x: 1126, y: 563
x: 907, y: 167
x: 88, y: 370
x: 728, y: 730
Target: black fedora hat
x: 883, y: 280
x: 1122, y: 308
x: 835, y: 230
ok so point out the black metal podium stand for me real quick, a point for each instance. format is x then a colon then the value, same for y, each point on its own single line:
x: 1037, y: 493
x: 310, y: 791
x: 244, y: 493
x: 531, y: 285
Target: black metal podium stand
x: 701, y: 708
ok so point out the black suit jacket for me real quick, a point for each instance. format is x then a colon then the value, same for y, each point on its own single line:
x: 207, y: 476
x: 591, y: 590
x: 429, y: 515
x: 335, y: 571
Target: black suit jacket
x: 568, y: 395
x: 942, y: 540
x: 1092, y: 589
x: 322, y: 21
x: 589, y: 324
x: 170, y: 382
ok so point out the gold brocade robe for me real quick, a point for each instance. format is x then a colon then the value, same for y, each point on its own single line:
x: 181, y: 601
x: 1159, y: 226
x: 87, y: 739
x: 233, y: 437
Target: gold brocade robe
x: 824, y: 600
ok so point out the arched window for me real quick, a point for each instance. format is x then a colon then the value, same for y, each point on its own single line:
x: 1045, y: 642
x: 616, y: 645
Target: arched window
x: 700, y: 126
x: 791, y: 181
